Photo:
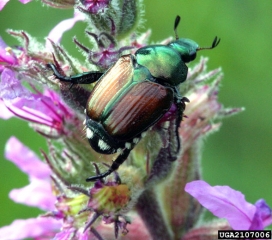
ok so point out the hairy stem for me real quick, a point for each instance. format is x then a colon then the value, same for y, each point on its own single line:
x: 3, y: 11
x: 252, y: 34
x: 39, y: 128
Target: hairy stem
x: 150, y: 211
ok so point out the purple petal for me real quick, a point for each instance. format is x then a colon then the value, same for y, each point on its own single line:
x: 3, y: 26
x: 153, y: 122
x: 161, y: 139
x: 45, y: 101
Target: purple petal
x: 6, y: 54
x: 263, y: 209
x: 26, y: 160
x: 25, y: 1
x: 31, y: 228
x: 3, y: 45
x: 56, y: 33
x: 262, y: 217
x: 223, y: 202
x: 257, y: 223
x: 48, y: 116
x: 40, y: 109
x: 57, y: 101
x: 3, y: 3
x: 37, y: 194
x: 10, y: 87
x: 65, y: 234
x: 96, y: 6
x: 37, y: 108
x: 7, y: 57
x: 4, y: 112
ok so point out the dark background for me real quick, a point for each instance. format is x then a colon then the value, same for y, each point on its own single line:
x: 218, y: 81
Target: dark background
x: 240, y: 154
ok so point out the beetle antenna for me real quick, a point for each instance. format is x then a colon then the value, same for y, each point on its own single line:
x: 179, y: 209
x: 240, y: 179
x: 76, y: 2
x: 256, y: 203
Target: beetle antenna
x: 177, y: 20
x: 215, y: 42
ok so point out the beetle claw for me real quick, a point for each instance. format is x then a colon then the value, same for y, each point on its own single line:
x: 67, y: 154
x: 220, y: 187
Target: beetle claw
x: 185, y: 99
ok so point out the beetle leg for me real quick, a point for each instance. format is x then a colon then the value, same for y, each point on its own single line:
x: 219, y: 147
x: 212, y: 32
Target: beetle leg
x: 75, y: 98
x: 180, y: 103
x: 115, y: 165
x: 84, y: 78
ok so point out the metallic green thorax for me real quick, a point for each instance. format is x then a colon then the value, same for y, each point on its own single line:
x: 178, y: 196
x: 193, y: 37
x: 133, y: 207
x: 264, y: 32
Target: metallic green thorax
x: 167, y: 62
x: 164, y: 63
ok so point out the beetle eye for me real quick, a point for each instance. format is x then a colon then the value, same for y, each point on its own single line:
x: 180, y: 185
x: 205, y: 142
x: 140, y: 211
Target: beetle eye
x: 192, y: 56
x: 189, y: 56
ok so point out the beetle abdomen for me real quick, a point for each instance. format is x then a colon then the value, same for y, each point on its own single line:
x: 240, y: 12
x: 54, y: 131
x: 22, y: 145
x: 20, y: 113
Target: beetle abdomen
x: 141, y: 107
x: 99, y: 139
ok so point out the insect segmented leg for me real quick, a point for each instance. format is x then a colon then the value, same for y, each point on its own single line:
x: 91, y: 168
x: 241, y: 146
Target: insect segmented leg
x: 83, y: 78
x: 115, y: 165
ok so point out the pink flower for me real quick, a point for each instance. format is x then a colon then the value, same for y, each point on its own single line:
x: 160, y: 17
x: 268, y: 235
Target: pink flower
x: 4, y: 2
x: 7, y: 57
x: 95, y: 6
x: 224, y: 202
x: 106, y: 56
x: 56, y: 33
x: 107, y: 53
x: 37, y: 194
x: 45, y: 111
x: 4, y: 112
x: 38, y: 228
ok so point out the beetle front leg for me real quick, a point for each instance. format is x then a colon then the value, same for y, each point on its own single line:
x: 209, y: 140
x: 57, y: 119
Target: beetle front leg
x: 115, y: 165
x: 83, y: 78
x: 75, y: 98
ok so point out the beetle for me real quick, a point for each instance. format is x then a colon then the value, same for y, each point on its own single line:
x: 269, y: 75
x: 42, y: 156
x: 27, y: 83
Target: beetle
x: 134, y: 94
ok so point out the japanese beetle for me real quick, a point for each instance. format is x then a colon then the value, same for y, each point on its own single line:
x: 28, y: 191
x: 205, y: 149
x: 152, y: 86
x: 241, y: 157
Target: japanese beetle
x: 134, y: 94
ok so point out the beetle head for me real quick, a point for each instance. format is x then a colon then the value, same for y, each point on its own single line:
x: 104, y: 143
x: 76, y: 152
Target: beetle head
x: 187, y: 48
